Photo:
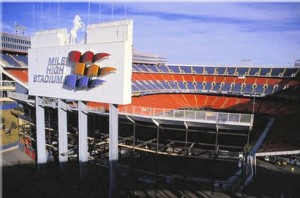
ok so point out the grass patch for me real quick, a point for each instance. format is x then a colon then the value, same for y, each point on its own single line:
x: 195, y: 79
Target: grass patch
x: 8, y: 132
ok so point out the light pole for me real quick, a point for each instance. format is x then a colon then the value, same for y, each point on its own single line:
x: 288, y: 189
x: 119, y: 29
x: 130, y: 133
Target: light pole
x: 253, y: 104
x: 19, y: 29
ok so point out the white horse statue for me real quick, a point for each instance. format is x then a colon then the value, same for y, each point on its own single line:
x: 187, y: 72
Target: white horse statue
x: 78, y: 24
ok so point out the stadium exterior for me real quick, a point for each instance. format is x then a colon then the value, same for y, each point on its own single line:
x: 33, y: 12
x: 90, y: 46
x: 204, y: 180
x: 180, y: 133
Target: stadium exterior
x: 183, y: 114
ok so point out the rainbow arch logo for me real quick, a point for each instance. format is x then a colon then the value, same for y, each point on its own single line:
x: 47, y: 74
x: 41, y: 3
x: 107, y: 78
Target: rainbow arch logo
x: 86, y: 74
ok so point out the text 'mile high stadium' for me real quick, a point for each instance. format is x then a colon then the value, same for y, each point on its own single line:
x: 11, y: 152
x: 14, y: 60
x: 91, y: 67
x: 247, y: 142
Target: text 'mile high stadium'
x: 191, y: 123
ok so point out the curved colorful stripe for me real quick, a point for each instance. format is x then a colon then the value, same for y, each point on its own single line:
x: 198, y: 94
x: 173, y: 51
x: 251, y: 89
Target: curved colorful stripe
x: 85, y: 74
x: 87, y: 57
x: 100, y: 56
x: 106, y: 70
x: 70, y: 81
x: 93, y: 70
x: 83, y: 82
x: 96, y: 82
x: 74, y: 56
x: 79, y: 69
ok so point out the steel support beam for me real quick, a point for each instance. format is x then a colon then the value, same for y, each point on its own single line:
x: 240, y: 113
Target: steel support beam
x: 157, y: 134
x: 186, y: 138
x: 217, y: 140
x: 134, y: 134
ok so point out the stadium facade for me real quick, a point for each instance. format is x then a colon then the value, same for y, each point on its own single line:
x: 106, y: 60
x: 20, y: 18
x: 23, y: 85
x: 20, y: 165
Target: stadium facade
x: 183, y: 114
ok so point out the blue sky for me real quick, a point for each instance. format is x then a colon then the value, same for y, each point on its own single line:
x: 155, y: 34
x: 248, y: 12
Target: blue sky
x: 184, y: 32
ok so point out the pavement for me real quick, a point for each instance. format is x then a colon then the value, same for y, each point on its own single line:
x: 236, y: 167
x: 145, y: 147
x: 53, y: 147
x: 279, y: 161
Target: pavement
x: 270, y: 181
x: 13, y: 156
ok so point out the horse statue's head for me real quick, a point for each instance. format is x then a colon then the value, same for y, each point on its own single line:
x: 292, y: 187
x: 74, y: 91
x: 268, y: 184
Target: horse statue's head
x: 78, y: 24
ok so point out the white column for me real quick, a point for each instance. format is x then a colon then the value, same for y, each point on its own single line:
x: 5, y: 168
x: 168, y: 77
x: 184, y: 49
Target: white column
x: 82, y: 138
x: 40, y: 133
x: 1, y: 84
x: 113, y: 132
x: 113, y: 150
x: 62, y: 134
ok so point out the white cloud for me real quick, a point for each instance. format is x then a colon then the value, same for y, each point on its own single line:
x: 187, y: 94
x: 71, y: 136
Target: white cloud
x: 6, y: 27
x: 218, y: 41
x: 242, y: 11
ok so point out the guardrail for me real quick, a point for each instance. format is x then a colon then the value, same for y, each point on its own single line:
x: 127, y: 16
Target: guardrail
x: 184, y: 115
x: 7, y: 83
x: 218, y: 117
x: 277, y: 153
x: 18, y: 96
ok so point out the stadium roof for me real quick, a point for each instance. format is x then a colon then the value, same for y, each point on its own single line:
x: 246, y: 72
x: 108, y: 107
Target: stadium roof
x: 20, y: 75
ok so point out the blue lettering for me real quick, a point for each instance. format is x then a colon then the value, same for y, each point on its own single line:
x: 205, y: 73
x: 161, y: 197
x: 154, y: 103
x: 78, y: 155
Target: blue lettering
x: 51, y: 61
